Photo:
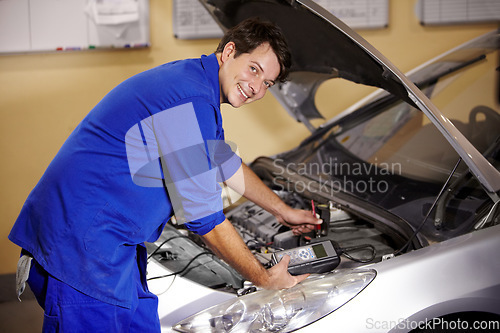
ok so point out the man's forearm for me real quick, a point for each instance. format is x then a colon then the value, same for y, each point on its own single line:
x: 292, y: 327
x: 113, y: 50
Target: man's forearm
x: 225, y: 241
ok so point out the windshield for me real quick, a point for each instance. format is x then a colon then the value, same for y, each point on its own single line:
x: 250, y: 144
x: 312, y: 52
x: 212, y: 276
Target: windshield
x: 402, y: 138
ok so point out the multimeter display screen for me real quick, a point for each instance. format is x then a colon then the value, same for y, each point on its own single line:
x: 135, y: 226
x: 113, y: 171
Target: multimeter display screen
x: 319, y: 250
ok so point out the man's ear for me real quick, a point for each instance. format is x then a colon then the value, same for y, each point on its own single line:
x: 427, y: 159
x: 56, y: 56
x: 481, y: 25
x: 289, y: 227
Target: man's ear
x: 228, y: 51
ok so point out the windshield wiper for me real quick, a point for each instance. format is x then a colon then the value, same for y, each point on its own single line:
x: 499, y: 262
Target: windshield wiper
x: 433, y: 79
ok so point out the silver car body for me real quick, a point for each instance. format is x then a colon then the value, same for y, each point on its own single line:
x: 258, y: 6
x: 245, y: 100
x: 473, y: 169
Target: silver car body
x: 394, y: 301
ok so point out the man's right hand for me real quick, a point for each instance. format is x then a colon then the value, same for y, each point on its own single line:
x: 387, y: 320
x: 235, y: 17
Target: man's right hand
x: 279, y: 278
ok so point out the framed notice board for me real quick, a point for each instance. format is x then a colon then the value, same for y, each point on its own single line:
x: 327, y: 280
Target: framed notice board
x: 59, y: 25
x: 443, y: 12
x: 191, y: 20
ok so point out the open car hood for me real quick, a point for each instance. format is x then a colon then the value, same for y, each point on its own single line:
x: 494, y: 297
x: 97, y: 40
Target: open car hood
x: 323, y: 47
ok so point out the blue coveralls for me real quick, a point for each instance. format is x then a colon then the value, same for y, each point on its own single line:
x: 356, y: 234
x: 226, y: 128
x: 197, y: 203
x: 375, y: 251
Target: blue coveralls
x: 115, y: 183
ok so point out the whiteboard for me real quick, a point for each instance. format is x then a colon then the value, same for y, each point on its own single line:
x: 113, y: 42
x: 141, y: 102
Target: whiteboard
x: 436, y: 12
x: 191, y: 20
x: 63, y: 25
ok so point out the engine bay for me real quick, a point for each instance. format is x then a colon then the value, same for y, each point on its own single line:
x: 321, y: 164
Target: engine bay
x: 185, y: 254
x: 358, y: 238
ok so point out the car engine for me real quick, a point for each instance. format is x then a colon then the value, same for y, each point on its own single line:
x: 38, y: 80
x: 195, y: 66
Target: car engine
x: 185, y: 254
x: 358, y: 239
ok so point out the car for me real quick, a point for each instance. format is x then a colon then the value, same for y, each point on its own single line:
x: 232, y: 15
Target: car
x: 407, y: 182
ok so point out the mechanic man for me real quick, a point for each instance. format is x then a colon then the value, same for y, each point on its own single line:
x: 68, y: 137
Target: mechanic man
x: 151, y: 148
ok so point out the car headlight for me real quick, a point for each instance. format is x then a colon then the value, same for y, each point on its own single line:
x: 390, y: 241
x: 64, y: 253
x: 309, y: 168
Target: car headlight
x: 283, y: 310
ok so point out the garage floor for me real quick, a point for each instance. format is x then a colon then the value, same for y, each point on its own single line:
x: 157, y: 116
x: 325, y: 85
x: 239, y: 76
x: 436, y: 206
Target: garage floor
x: 21, y: 317
x: 15, y: 316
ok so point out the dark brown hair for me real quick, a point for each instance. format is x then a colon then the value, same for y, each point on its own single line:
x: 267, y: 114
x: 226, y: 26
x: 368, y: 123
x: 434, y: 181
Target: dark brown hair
x: 251, y: 33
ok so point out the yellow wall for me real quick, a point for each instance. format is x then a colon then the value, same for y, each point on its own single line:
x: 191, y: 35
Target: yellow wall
x: 44, y: 96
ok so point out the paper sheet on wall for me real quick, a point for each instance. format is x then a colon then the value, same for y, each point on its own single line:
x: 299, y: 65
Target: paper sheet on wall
x: 191, y: 20
x: 113, y: 12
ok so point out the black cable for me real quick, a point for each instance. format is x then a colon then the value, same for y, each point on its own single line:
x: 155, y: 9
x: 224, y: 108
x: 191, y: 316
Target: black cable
x: 257, y: 243
x: 182, y: 270
x: 163, y: 243
x: 344, y: 252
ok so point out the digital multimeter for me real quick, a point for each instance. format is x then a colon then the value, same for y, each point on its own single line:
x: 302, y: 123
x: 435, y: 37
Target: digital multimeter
x: 318, y: 258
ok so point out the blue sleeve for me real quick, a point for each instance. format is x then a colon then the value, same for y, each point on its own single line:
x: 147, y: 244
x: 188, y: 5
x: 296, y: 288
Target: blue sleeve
x: 193, y: 157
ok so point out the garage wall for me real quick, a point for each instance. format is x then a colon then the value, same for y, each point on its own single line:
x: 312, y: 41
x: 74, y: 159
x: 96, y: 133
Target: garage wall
x: 44, y: 96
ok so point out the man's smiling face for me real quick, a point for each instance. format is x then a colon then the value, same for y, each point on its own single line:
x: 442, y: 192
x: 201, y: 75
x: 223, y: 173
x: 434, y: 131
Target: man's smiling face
x: 246, y: 78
